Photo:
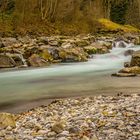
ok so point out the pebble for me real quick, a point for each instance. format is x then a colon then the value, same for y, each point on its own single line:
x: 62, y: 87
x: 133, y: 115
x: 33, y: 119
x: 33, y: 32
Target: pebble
x: 87, y: 118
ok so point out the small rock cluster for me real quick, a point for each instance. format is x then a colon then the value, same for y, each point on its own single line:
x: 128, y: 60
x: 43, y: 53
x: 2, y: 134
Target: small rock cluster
x: 86, y: 118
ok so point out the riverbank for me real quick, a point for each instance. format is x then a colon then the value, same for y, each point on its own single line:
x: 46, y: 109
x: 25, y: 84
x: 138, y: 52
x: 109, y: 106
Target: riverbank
x: 22, y: 52
x: 85, y: 118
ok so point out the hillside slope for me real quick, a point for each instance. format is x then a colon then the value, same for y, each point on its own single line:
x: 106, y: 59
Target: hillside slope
x: 64, y: 17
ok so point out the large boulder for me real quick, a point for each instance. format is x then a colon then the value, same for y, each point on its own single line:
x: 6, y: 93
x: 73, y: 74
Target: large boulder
x: 6, y: 61
x: 135, y: 59
x: 6, y: 120
x: 73, y: 55
x: 36, y: 61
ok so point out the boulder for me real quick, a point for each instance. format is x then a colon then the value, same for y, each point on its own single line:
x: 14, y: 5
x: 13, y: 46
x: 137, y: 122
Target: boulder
x: 82, y: 43
x: 66, y: 45
x: 6, y: 120
x: 30, y: 51
x: 36, y: 61
x: 6, y: 61
x: 90, y: 50
x: 121, y: 44
x: 73, y: 55
x: 101, y: 49
x: 135, y: 70
x: 9, y: 41
x: 135, y: 59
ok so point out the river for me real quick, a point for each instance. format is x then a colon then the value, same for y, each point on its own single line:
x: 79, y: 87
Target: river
x: 23, y: 89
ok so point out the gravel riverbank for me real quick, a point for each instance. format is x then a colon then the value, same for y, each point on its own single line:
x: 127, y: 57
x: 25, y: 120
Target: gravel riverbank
x: 87, y: 118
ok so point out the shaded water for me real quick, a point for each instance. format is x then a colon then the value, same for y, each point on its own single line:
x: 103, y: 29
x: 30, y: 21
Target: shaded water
x: 75, y: 79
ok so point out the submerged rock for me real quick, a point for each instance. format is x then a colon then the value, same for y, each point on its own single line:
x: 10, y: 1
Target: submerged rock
x: 121, y: 74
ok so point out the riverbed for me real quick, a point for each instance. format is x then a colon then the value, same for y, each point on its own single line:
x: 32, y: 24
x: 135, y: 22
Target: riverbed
x: 23, y: 89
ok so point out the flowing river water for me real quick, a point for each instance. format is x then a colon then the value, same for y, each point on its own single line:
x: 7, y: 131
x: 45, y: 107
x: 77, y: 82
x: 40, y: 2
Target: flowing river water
x: 23, y: 89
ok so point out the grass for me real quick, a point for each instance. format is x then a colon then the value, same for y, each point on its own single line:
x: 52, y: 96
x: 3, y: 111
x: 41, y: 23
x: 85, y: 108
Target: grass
x: 107, y: 25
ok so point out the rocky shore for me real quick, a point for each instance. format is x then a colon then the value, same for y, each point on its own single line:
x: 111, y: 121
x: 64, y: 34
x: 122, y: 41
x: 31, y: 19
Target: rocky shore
x: 28, y: 51
x: 88, y: 118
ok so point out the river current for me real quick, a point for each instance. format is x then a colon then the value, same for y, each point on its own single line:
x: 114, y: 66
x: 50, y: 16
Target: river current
x: 64, y: 80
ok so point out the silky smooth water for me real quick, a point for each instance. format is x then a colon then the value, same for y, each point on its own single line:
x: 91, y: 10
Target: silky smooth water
x: 68, y: 79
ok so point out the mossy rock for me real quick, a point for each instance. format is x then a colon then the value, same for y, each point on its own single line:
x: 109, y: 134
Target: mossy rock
x: 90, y: 50
x: 36, y: 61
x: 73, y: 55
x: 46, y: 56
x: 82, y: 43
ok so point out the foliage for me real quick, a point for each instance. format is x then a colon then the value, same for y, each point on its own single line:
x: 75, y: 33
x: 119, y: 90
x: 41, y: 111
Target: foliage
x: 67, y: 17
x: 108, y: 25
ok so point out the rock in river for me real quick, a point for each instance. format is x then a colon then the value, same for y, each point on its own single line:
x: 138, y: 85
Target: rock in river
x: 136, y: 59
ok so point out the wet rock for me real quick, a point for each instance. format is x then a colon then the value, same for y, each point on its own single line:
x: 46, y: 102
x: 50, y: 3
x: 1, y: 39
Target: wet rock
x: 36, y: 61
x: 6, y: 61
x: 128, y: 52
x: 129, y: 70
x: 121, y: 74
x: 90, y: 50
x: 6, y: 120
x: 82, y: 43
x: 19, y: 60
x: 101, y: 49
x: 72, y: 55
x: 135, y: 59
